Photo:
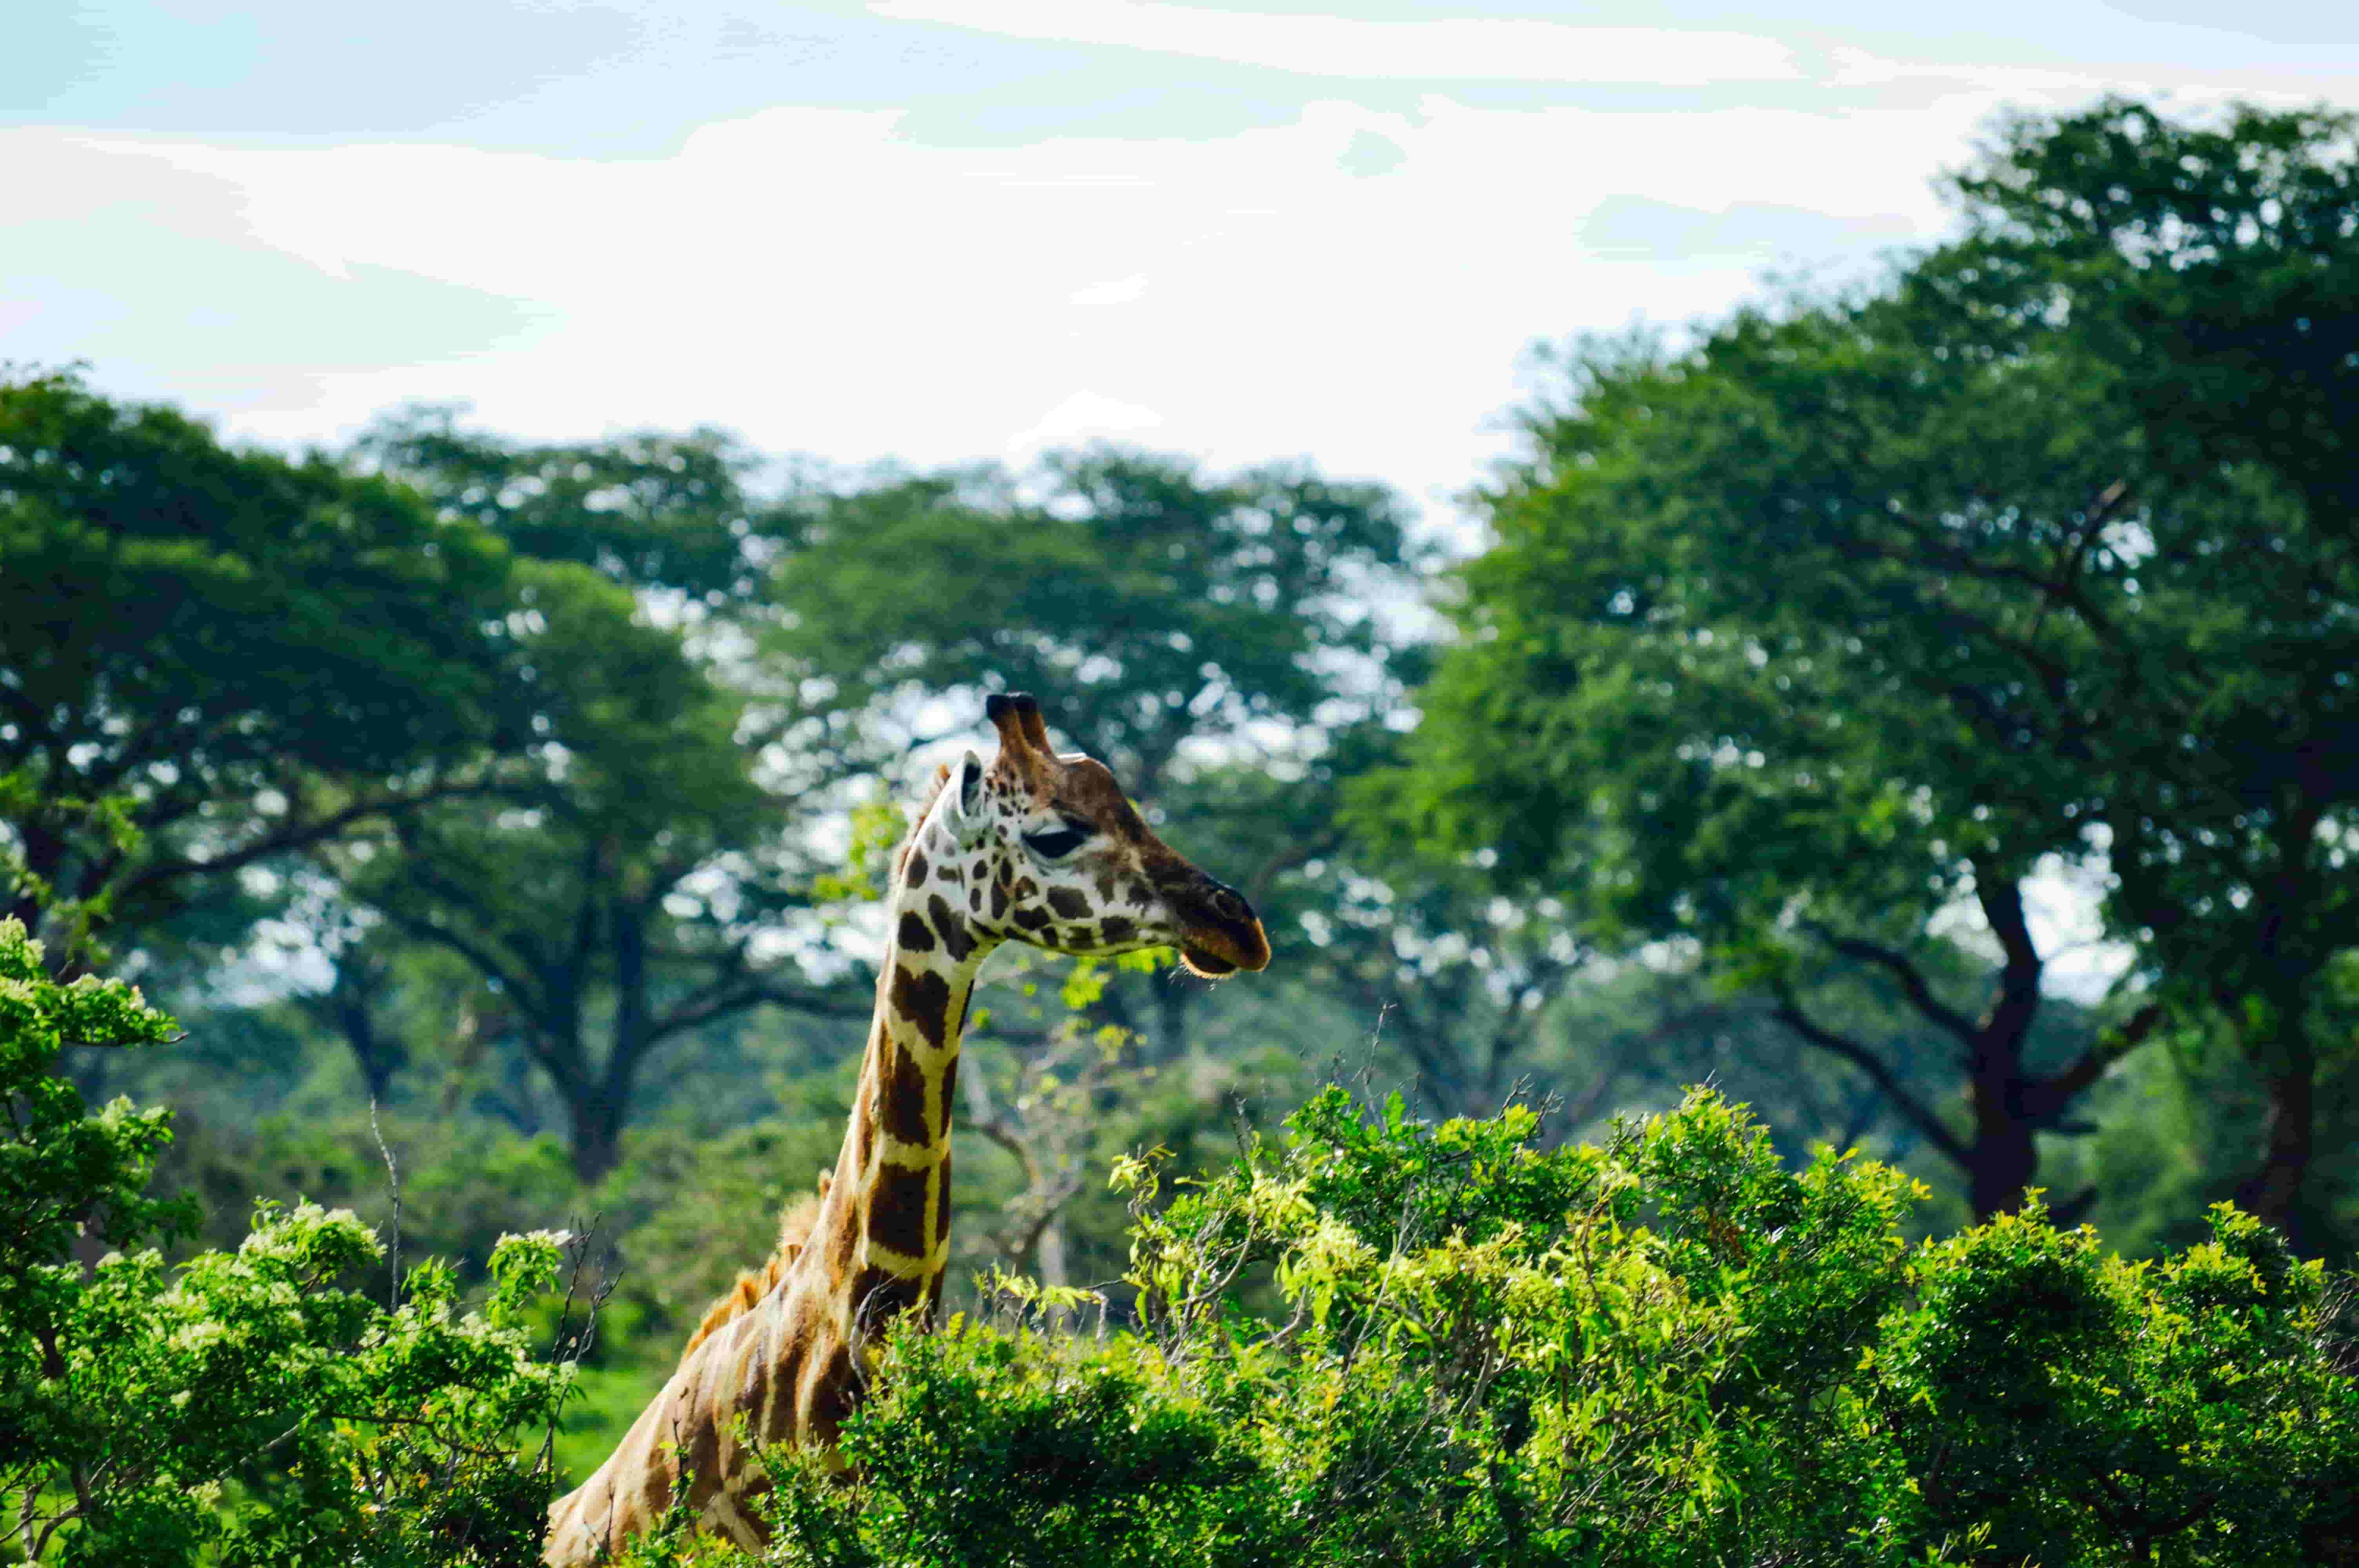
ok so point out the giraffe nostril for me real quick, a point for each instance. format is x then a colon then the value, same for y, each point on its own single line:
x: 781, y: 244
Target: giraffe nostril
x: 1229, y: 906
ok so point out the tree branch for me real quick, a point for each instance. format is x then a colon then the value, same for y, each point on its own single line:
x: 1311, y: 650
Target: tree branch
x: 2045, y: 1101
x: 1912, y: 980
x: 1789, y: 1012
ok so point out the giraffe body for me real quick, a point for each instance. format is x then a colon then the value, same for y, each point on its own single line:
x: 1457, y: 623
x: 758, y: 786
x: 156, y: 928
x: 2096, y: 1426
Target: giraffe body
x: 1036, y: 848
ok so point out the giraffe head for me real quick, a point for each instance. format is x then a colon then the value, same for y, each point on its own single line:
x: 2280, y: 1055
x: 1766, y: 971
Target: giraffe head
x: 1054, y: 854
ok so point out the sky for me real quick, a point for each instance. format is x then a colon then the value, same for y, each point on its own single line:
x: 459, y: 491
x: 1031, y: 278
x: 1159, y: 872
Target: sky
x: 937, y: 231
x: 942, y: 230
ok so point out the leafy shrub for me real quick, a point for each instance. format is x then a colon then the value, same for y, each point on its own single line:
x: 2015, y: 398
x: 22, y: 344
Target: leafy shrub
x: 242, y: 1405
x: 1669, y: 1350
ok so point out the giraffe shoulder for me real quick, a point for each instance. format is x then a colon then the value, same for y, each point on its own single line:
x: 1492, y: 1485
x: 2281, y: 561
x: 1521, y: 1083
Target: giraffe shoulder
x: 794, y: 1223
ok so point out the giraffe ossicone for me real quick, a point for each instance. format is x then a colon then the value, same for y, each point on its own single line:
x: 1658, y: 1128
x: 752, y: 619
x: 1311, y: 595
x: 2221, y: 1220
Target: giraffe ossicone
x: 1033, y: 847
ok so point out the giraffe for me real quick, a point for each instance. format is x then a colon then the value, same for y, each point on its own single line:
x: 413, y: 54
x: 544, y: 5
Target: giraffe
x: 1036, y: 848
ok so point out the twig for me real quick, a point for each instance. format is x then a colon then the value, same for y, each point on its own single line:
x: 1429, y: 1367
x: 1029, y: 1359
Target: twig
x: 393, y: 1174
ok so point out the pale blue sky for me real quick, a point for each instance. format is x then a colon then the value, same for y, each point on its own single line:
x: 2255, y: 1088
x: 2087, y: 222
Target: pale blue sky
x: 946, y: 229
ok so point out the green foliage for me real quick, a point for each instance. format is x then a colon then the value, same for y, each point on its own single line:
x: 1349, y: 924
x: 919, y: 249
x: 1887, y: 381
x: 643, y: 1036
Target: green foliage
x: 1669, y: 1349
x: 1379, y: 1339
x: 237, y: 654
x: 1855, y: 608
x: 245, y: 1405
x: 649, y: 510
x: 1156, y: 603
x: 610, y: 887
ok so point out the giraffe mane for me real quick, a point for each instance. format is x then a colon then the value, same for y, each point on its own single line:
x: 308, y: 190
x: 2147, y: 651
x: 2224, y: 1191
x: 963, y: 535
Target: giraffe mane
x: 901, y: 850
x: 795, y: 1222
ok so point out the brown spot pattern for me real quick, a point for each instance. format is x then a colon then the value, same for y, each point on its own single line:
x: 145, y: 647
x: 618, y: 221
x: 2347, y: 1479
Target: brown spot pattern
x: 778, y: 1419
x: 998, y: 900
x: 957, y: 941
x: 704, y: 1463
x: 924, y: 1001
x: 905, y: 1097
x: 917, y: 867
x: 1068, y: 903
x: 828, y: 1398
x: 1114, y: 928
x: 897, y: 1210
x: 754, y: 1391
x: 878, y: 1295
x: 913, y: 935
x: 1030, y: 919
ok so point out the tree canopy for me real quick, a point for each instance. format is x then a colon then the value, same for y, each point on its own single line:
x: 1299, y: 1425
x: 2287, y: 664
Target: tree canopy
x: 1850, y: 609
x: 233, y: 654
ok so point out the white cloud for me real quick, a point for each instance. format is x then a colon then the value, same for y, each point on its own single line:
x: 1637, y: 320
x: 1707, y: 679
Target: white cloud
x: 1119, y: 291
x: 1080, y: 419
x: 1453, y: 48
x: 820, y: 282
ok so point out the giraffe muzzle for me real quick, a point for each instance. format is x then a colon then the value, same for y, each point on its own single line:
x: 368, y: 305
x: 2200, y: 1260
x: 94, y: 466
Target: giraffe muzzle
x: 1222, y: 933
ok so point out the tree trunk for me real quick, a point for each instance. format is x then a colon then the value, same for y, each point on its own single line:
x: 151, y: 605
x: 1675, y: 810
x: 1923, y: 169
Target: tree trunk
x: 2009, y: 1107
x: 594, y: 1122
x: 2003, y: 1156
x: 1051, y: 1253
x: 2273, y: 1193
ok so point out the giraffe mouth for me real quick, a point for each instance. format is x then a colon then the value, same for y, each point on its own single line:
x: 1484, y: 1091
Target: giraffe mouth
x: 1209, y: 965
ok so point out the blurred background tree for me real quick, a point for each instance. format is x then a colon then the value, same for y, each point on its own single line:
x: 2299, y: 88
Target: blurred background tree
x: 232, y: 656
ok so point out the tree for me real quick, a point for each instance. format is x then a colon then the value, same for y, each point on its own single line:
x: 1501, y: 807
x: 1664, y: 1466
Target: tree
x: 1717, y: 680
x: 211, y: 659
x: 612, y: 891
x: 636, y: 852
x: 240, y: 1406
x: 1855, y: 609
x: 653, y: 509
x: 2209, y: 274
x: 1160, y: 605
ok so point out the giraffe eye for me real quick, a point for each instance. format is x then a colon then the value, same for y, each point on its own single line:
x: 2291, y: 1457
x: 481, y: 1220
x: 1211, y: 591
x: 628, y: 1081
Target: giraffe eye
x: 1055, y: 843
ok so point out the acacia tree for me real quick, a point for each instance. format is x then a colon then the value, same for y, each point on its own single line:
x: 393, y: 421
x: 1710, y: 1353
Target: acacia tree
x: 652, y: 509
x: 613, y: 890
x: 211, y: 659
x: 610, y: 891
x: 1719, y: 681
x: 1159, y: 604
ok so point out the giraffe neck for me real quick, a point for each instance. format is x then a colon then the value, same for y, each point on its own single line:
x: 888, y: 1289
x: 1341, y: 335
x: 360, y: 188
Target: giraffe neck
x: 883, y: 1234
x: 792, y: 1369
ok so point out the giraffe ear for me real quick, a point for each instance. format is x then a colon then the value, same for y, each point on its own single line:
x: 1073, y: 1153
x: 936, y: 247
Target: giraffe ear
x: 962, y: 801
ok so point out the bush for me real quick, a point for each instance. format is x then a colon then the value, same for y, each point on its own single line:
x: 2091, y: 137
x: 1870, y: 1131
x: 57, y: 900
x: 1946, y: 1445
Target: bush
x: 1670, y: 1350
x: 243, y: 1405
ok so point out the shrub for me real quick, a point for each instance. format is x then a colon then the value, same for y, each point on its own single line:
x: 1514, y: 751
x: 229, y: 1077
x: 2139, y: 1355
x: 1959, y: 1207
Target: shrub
x: 242, y: 1405
x: 1669, y: 1350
